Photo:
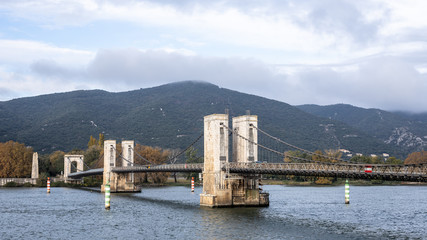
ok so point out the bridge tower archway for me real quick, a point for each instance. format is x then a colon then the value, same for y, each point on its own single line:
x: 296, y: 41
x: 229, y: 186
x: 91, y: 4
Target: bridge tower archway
x: 68, y: 160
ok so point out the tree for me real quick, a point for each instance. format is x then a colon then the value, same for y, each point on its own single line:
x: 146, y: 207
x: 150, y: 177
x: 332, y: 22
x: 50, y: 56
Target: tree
x: 330, y: 155
x: 15, y: 159
x: 296, y: 154
x: 56, y: 160
x: 360, y: 159
x: 44, y: 164
x: 394, y: 160
x: 173, y: 152
x: 333, y: 154
x: 101, y: 140
x: 416, y: 157
x: 92, y: 141
x: 92, y: 154
x: 319, y: 156
x: 155, y: 156
x: 191, y: 157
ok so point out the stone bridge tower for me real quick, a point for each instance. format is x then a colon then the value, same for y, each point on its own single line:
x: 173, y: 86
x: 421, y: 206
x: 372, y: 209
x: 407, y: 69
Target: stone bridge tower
x: 35, y: 166
x: 118, y: 182
x: 109, y: 163
x: 222, y: 189
x: 128, y: 160
x: 215, y: 191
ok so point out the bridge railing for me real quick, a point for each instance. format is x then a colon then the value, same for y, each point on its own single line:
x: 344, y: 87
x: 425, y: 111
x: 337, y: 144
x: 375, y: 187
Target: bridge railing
x: 196, y: 167
x: 380, y: 168
x: 361, y: 171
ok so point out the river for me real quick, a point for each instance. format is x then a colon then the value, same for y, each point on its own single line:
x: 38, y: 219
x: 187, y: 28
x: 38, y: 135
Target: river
x: 374, y: 212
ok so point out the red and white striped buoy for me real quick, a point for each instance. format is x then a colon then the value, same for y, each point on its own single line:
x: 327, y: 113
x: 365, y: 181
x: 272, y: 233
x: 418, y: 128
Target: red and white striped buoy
x: 192, y: 184
x: 48, y: 185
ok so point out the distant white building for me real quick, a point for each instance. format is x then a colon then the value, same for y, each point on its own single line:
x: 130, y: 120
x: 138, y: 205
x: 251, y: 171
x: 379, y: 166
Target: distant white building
x: 344, y: 151
x: 373, y: 155
x: 359, y: 154
x: 386, y: 155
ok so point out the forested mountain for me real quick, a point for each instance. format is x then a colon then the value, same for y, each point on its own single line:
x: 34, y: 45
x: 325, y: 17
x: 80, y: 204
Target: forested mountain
x: 169, y: 116
x: 407, y: 132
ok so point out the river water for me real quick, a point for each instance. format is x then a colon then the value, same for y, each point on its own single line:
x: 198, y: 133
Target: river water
x: 374, y: 212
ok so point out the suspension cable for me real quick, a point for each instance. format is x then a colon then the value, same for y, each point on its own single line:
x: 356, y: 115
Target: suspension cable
x: 88, y: 168
x: 100, y: 157
x: 183, y: 151
x: 320, y: 155
x: 143, y: 158
x: 121, y: 156
x: 298, y: 148
x: 269, y: 149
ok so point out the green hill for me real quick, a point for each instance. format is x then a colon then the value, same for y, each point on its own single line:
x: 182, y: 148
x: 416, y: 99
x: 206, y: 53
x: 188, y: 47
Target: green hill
x: 406, y: 132
x: 169, y: 116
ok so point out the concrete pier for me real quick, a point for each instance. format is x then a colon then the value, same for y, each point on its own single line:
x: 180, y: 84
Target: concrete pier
x: 222, y: 189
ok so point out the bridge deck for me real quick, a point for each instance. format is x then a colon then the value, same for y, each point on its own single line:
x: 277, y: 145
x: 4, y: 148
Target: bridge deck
x: 91, y: 172
x: 415, y: 173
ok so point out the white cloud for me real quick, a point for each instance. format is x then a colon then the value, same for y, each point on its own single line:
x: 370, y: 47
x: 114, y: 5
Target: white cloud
x: 300, y: 27
x: 366, y: 53
x: 403, y: 16
x: 17, y: 84
x: 26, y: 52
x: 382, y: 82
x: 134, y: 68
x: 20, y: 57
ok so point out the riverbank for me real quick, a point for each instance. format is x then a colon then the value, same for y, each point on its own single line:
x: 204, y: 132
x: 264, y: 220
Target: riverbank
x: 339, y: 182
x: 187, y: 182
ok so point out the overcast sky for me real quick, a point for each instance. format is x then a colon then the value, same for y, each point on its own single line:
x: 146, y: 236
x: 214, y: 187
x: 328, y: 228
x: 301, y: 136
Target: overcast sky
x: 371, y: 54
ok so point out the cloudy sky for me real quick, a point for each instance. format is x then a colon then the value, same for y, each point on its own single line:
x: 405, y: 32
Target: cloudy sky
x: 369, y: 53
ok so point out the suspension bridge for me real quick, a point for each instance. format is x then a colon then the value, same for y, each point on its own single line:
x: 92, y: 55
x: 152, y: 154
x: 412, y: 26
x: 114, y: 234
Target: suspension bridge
x: 236, y: 181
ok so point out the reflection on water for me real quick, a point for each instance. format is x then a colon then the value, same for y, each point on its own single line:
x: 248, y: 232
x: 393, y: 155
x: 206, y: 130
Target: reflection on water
x: 378, y: 212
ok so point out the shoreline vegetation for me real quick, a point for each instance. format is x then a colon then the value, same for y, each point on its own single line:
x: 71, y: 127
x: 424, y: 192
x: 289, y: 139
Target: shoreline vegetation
x: 51, y: 165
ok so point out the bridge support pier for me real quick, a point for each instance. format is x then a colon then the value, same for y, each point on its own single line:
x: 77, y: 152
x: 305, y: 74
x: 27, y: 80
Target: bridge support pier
x: 118, y: 182
x: 220, y: 188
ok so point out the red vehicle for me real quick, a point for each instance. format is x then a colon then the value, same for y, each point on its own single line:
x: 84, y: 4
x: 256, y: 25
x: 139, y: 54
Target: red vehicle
x: 368, y: 169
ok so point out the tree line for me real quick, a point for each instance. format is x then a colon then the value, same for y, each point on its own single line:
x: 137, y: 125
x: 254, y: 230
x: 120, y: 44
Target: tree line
x: 333, y: 156
x: 15, y: 160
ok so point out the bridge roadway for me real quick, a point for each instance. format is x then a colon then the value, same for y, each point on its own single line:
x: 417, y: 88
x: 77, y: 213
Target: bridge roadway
x: 411, y: 173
